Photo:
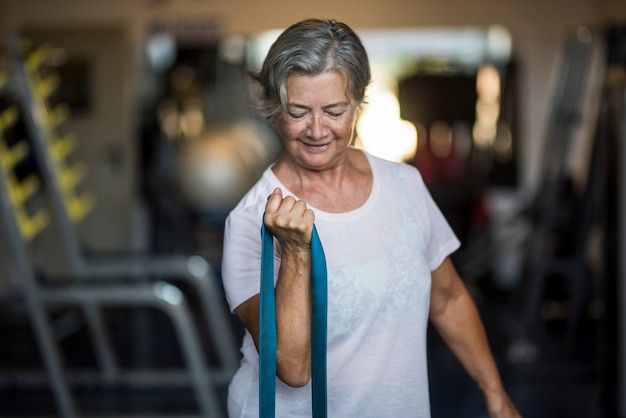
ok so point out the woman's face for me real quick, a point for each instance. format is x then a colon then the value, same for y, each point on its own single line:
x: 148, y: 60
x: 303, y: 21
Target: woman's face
x: 317, y: 128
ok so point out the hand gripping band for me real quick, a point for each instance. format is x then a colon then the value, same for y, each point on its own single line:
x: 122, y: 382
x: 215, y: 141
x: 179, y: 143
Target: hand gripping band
x: 267, y: 328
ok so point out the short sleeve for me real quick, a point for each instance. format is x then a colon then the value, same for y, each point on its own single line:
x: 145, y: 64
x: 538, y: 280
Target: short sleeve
x: 241, y: 257
x: 441, y: 241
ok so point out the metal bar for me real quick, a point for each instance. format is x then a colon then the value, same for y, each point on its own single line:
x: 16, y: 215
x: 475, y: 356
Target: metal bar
x: 621, y: 202
x: 17, y: 253
x: 198, y: 273
x: 102, y: 345
x: 132, y: 379
x: 171, y: 301
x: 192, y: 353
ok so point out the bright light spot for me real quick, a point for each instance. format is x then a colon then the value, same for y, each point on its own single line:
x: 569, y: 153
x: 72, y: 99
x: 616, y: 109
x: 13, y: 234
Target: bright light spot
x: 487, y: 106
x: 382, y: 132
x: 168, y: 293
x: 233, y: 49
x: 499, y: 44
x: 192, y: 119
x: 487, y: 112
x: 161, y: 51
x: 197, y: 266
x: 484, y: 135
x: 259, y: 47
x: 488, y: 83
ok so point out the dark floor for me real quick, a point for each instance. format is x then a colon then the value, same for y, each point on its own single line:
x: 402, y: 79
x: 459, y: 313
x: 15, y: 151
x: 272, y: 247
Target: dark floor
x: 562, y: 379
x: 553, y: 377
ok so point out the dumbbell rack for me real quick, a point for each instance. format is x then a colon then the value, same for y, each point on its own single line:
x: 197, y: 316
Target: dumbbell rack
x: 13, y: 199
x: 26, y: 85
x: 33, y: 90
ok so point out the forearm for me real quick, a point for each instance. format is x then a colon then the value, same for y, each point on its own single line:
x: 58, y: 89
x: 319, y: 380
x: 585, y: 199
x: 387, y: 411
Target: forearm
x: 461, y: 328
x: 293, y: 319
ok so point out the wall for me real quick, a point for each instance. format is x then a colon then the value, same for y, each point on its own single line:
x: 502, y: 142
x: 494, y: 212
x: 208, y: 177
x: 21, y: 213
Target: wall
x: 610, y: 10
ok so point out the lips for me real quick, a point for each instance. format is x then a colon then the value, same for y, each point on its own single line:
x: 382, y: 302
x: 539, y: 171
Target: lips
x: 317, y: 147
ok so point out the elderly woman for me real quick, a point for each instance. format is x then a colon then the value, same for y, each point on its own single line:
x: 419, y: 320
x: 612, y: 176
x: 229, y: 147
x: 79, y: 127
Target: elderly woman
x: 387, y: 247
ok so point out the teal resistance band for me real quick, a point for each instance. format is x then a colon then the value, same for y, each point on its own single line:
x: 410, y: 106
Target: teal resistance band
x: 267, y: 328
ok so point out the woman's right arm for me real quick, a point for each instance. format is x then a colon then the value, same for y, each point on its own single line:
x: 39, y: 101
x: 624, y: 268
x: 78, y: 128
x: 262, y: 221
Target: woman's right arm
x: 291, y: 223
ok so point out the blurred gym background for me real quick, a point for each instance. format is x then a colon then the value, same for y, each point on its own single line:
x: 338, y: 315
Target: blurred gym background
x: 127, y: 134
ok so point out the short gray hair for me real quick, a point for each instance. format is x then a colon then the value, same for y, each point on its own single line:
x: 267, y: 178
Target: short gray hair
x: 311, y: 46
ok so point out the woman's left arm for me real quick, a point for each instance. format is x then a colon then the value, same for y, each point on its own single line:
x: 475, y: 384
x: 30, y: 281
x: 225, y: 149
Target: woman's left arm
x: 456, y: 318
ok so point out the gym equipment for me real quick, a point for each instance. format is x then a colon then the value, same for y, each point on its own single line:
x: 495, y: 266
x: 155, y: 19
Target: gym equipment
x: 560, y: 217
x: 215, y: 170
x: 146, y: 274
x: 90, y: 296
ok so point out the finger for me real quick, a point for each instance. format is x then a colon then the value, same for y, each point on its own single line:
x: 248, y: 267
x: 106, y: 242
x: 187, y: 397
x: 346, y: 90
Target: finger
x: 274, y: 200
x: 309, y: 217
x: 287, y: 206
x: 284, y: 215
x: 298, y: 220
x: 299, y: 207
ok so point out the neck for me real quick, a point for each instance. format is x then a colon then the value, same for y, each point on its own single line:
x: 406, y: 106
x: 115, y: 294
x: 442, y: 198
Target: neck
x: 341, y: 188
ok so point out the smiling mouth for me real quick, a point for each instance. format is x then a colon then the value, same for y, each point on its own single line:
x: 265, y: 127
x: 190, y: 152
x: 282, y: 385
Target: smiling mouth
x: 317, y: 147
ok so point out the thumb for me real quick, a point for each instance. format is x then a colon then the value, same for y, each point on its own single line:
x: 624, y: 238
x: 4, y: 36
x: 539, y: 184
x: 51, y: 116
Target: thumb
x: 273, y: 202
x: 277, y: 191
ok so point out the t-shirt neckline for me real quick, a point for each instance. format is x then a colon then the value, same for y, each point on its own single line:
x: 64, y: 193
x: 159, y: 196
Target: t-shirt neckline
x: 319, y: 213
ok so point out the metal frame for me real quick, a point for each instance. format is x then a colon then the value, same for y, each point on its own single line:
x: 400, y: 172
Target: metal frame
x: 95, y: 283
x: 90, y: 296
x: 577, y: 85
x: 190, y: 268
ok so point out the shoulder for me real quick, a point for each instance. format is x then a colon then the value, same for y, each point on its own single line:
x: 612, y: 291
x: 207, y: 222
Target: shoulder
x: 397, y: 170
x: 251, y: 206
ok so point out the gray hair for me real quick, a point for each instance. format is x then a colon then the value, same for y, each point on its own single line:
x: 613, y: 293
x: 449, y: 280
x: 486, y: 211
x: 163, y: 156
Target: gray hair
x: 311, y: 46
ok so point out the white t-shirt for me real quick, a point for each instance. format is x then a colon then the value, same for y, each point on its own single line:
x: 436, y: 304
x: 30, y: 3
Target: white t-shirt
x: 380, y: 257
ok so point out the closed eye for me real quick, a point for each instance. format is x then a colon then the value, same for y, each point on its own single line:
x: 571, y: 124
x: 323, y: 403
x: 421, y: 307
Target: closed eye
x: 336, y: 109
x: 335, y: 114
x: 297, y: 115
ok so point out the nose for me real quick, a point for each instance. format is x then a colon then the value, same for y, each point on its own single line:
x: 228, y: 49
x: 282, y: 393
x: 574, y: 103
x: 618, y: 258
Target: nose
x: 316, y: 127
